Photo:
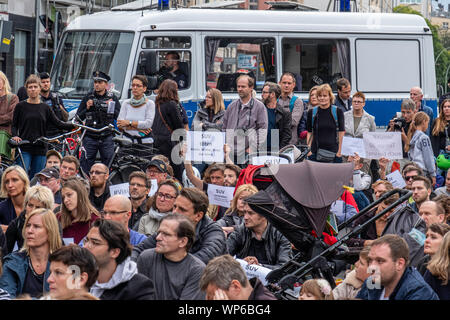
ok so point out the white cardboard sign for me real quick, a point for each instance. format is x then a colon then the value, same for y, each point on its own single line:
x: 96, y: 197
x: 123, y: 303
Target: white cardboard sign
x: 220, y: 195
x: 253, y: 270
x: 205, y: 146
x: 122, y: 188
x: 262, y: 160
x: 396, y: 179
x: 383, y: 145
x: 351, y: 145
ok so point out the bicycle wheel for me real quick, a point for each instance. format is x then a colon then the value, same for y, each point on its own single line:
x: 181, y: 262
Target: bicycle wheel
x: 121, y: 174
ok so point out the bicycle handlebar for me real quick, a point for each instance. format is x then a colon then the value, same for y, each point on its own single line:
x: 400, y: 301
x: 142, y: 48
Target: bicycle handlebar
x: 108, y: 127
x: 46, y: 139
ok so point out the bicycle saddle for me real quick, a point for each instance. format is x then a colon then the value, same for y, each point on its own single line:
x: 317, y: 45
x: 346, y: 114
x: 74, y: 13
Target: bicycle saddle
x: 122, y: 142
x: 13, y: 144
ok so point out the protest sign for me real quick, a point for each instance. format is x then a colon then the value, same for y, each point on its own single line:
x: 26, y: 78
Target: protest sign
x: 383, y: 145
x: 122, y: 188
x: 396, y: 179
x: 350, y: 146
x: 205, y: 146
x: 154, y: 187
x: 253, y: 270
x: 262, y: 160
x: 219, y: 195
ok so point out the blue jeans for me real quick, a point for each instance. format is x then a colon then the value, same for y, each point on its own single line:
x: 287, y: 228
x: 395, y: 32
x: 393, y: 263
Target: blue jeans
x: 104, y: 145
x: 336, y: 159
x: 33, y: 163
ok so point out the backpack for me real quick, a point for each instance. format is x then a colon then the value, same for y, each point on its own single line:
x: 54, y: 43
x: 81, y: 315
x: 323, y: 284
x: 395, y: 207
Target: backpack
x: 335, y: 117
x: 292, y: 102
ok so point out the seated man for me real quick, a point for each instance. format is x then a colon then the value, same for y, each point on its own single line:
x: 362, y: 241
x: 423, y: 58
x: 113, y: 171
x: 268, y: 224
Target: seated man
x: 171, y: 70
x: 231, y: 175
x: 224, y: 279
x: 139, y: 187
x: 118, y: 277
x: 174, y: 271
x: 432, y: 212
x: 53, y: 159
x: 118, y: 208
x: 257, y: 242
x: 70, y: 166
x: 98, y: 180
x: 393, y: 279
x: 157, y: 169
x: 209, y: 239
x: 49, y: 177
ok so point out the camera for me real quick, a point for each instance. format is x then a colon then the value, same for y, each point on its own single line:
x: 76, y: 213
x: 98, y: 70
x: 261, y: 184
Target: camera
x: 399, y: 123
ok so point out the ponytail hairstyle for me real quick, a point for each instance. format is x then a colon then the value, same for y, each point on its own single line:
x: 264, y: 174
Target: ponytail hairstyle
x: 419, y: 119
x: 439, y: 125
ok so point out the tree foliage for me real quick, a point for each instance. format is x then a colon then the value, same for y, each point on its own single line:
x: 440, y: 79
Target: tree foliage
x: 439, y: 47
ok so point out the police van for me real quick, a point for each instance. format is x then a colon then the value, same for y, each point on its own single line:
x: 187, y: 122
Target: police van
x: 383, y: 55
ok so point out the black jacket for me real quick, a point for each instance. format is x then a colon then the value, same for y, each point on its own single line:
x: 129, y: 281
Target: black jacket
x: 283, y: 119
x: 99, y: 202
x: 209, y: 241
x: 136, y: 216
x: 14, y: 233
x: 202, y: 115
x: 340, y: 104
x: 137, y: 288
x: 259, y: 291
x: 438, y: 142
x: 278, y: 248
x: 167, y: 119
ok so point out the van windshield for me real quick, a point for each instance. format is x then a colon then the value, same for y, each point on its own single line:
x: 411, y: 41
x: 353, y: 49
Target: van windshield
x: 82, y: 53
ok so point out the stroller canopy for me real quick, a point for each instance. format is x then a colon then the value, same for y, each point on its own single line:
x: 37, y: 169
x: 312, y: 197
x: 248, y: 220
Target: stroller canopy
x: 300, y: 197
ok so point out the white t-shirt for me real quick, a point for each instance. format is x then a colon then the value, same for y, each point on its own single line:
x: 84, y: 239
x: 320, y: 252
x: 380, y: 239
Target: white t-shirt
x: 144, y: 115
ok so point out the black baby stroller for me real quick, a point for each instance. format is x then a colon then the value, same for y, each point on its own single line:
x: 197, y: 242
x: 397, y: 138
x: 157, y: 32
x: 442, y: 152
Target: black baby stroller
x: 297, y: 203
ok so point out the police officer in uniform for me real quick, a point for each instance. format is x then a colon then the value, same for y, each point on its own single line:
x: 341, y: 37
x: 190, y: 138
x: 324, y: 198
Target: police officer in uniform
x: 54, y: 100
x: 171, y: 70
x: 100, y: 108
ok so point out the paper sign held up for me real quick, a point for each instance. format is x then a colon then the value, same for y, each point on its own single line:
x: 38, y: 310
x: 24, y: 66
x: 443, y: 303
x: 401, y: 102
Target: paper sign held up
x: 219, y: 195
x: 205, y: 146
x: 396, y: 179
x: 351, y: 145
x: 383, y: 145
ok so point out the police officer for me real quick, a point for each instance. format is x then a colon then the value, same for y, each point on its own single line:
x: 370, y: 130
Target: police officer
x: 171, y: 70
x: 100, y: 108
x: 54, y: 100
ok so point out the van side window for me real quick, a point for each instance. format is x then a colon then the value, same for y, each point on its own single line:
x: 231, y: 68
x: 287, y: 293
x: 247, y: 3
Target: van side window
x: 227, y: 58
x: 173, y: 61
x: 316, y: 61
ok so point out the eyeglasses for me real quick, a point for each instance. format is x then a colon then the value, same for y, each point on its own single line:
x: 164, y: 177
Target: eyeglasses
x: 92, y: 243
x: 409, y: 177
x: 137, y: 185
x: 153, y: 171
x: 166, y: 196
x: 104, y: 213
x: 96, y: 173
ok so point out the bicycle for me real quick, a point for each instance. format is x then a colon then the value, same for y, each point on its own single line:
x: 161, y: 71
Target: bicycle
x: 69, y: 142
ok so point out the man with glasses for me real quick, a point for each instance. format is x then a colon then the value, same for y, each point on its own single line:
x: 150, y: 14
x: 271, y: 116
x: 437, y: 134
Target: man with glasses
x: 118, y: 208
x: 49, y: 177
x: 209, y: 239
x: 409, y: 173
x: 174, y: 271
x: 156, y: 169
x: 118, y: 277
x: 138, y: 189
x: 98, y: 180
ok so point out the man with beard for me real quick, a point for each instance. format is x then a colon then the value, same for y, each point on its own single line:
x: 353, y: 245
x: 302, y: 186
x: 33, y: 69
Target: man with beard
x: 279, y: 119
x: 245, y: 121
x: 392, y: 278
x: 54, y: 100
x: 231, y: 175
x: 421, y: 188
x: 139, y: 187
x: 98, y: 179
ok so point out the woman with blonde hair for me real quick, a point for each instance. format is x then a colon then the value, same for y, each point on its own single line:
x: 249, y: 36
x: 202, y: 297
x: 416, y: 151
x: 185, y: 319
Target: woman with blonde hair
x: 326, y: 128
x: 438, y: 273
x: 419, y: 147
x: 8, y: 102
x: 37, y: 197
x: 26, y: 271
x: 234, y: 216
x: 211, y: 114
x: 77, y: 213
x: 15, y: 184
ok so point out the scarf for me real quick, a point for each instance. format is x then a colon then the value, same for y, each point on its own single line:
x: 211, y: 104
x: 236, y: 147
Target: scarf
x: 137, y: 103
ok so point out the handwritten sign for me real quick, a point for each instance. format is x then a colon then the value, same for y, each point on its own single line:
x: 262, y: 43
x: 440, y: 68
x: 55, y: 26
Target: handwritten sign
x: 383, y: 145
x: 122, y: 188
x: 219, y: 195
x: 253, y: 270
x: 396, y: 179
x: 351, y: 145
x: 205, y: 146
x: 262, y: 160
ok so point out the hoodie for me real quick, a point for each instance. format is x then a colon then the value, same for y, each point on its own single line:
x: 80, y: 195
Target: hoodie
x: 150, y: 221
x: 421, y: 152
x: 124, y: 272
